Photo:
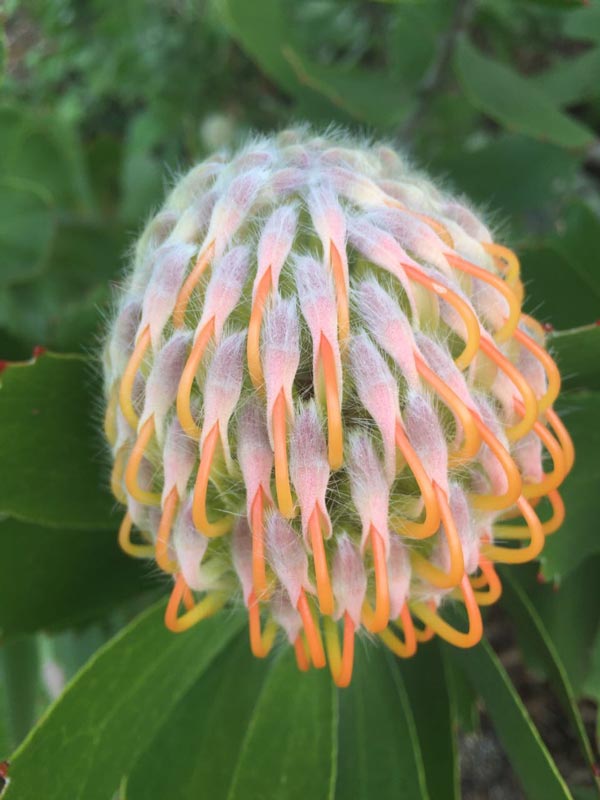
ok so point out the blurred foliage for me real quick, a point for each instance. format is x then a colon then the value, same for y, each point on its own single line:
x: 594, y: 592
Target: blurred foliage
x: 102, y: 104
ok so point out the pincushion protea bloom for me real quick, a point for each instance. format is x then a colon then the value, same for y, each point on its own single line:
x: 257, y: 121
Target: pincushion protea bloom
x: 321, y: 389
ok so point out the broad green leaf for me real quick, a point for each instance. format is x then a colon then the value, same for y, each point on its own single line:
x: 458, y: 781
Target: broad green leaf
x: 532, y: 630
x: 584, y: 23
x: 578, y: 537
x: 493, y: 176
x: 463, y: 698
x: 50, y: 453
x: 26, y: 226
x: 114, y: 708
x: 290, y: 747
x: 578, y: 234
x: 62, y: 577
x: 572, y: 80
x: 48, y: 152
x: 202, y: 738
x: 563, y: 282
x: 507, y: 97
x: 20, y: 670
x: 577, y: 353
x: 570, y: 611
x: 62, y: 308
x: 555, y: 291
x: 379, y: 753
x: 428, y: 688
x: 521, y: 741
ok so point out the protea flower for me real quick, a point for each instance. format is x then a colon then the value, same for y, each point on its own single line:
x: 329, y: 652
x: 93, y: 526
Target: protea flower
x: 321, y: 389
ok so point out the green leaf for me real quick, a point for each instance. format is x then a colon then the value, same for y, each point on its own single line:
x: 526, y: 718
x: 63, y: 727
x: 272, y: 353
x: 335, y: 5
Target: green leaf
x: 578, y: 537
x: 521, y: 741
x: 559, y: 3
x: 291, y: 742
x: 3, y: 52
x: 50, y: 460
x: 463, y: 698
x: 578, y: 233
x: 577, y: 353
x: 428, y: 688
x: 20, y: 662
x: 141, y: 186
x: 127, y: 692
x: 570, y: 611
x: 60, y: 578
x: 262, y: 30
x: 592, y: 682
x: 555, y: 292
x: 379, y: 753
x: 267, y: 731
x: 26, y: 227
x: 62, y: 308
x: 6, y: 743
x: 584, y: 23
x: 513, y: 101
x: 267, y: 35
x: 532, y: 630
x: 562, y: 278
x: 210, y: 720
x: 415, y: 33
x: 48, y: 151
x: 492, y: 175
x: 572, y: 80
x: 591, y: 687
x: 367, y: 96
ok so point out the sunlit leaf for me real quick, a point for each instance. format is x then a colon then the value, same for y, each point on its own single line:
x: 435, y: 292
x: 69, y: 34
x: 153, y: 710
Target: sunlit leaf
x: 379, y: 751
x: 211, y: 720
x: 291, y: 742
x: 428, y: 689
x: 114, y: 708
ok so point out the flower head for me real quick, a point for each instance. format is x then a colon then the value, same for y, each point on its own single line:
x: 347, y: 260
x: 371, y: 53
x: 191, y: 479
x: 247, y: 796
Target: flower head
x: 323, y: 397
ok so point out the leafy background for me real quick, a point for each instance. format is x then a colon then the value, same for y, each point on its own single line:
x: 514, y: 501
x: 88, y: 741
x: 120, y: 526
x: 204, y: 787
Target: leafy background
x: 103, y: 103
